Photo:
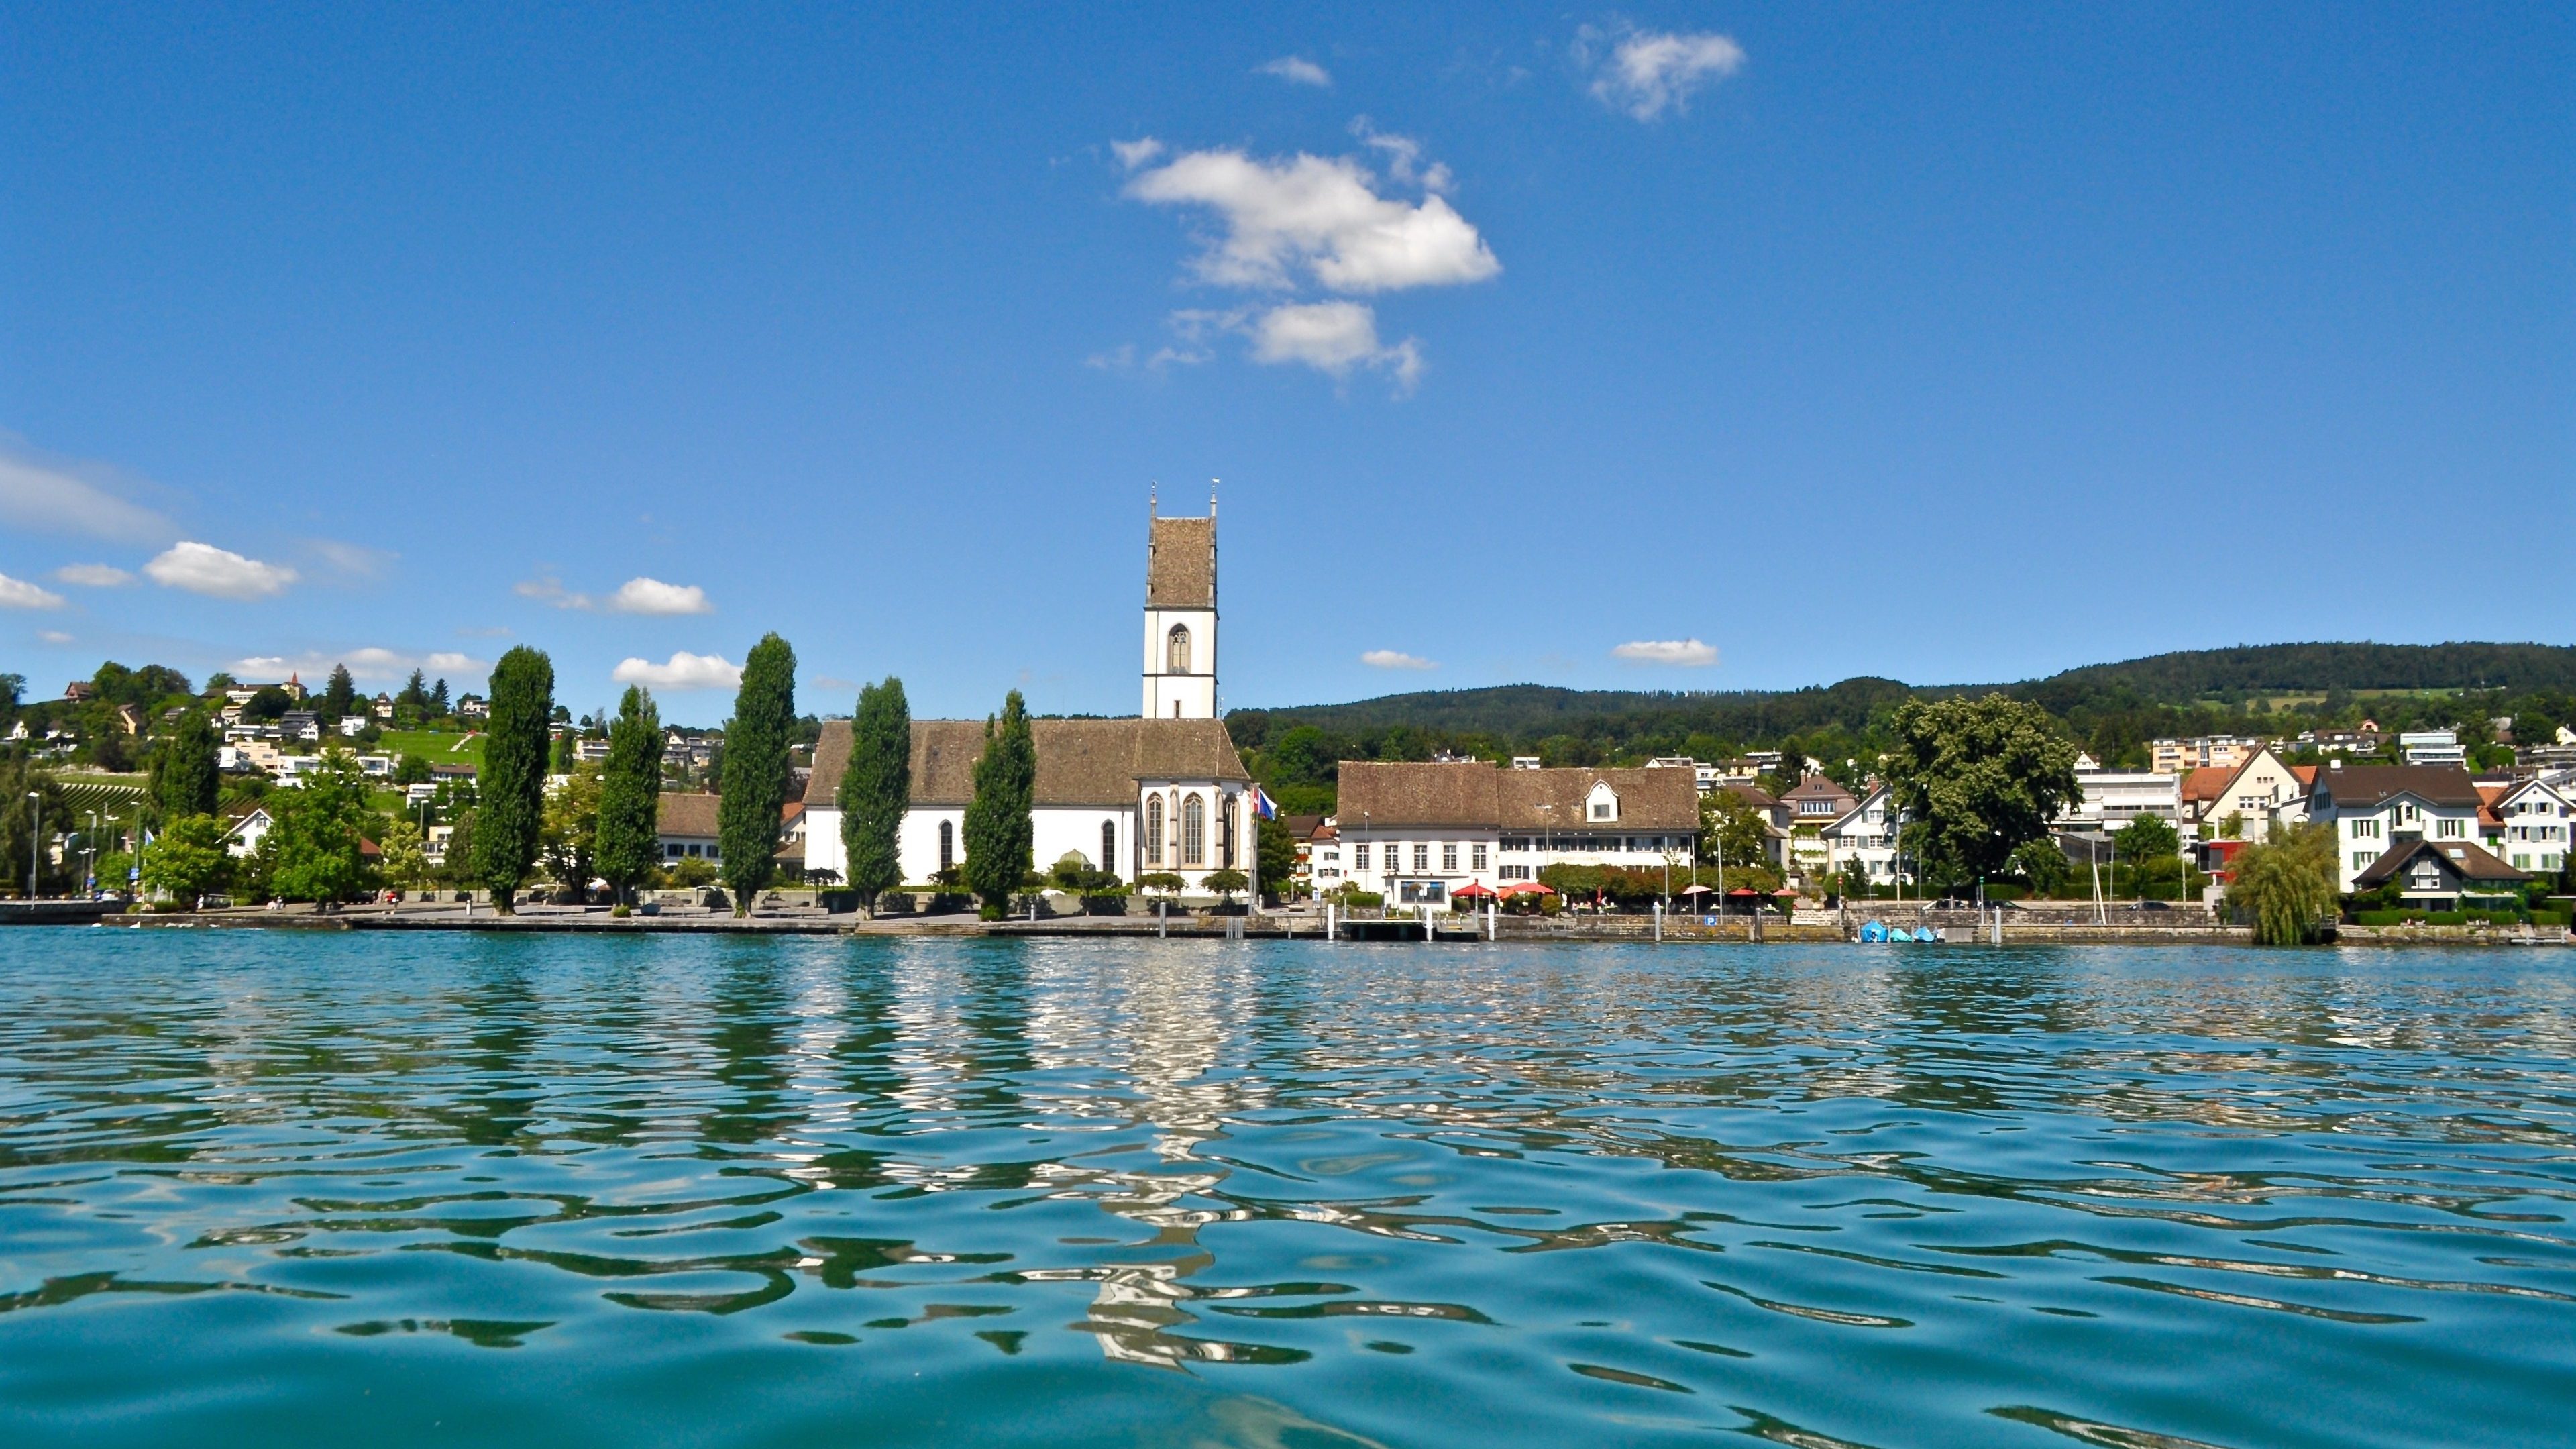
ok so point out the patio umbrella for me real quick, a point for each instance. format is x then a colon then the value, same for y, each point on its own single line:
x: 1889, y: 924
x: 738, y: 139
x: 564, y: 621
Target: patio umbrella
x: 1697, y: 890
x: 1526, y: 888
x: 1470, y: 891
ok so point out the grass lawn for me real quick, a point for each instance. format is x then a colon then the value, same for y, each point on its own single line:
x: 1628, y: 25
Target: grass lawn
x: 435, y: 746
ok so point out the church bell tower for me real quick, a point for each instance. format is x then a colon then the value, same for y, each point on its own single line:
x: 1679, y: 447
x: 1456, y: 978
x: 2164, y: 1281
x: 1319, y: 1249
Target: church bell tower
x: 1180, y: 615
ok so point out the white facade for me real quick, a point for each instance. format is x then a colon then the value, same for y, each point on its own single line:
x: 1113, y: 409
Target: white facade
x: 1180, y: 663
x: 2113, y: 798
x: 1420, y: 833
x: 2533, y: 822
x: 1865, y: 839
x: 2257, y: 793
x: 2432, y: 747
x: 2369, y: 821
x: 1206, y: 826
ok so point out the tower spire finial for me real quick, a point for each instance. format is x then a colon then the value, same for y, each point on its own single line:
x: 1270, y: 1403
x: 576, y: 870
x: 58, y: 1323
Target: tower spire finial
x: 1154, y: 499
x: 1212, y: 482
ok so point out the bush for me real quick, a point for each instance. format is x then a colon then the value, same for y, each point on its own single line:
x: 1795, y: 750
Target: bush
x: 1363, y: 900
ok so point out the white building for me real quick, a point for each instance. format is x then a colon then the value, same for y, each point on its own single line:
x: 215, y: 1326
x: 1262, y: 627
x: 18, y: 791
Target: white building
x: 1165, y: 793
x: 1419, y: 833
x: 2433, y: 747
x: 1865, y: 838
x: 2113, y: 798
x: 2531, y: 826
x: 2375, y: 809
x: 2262, y: 792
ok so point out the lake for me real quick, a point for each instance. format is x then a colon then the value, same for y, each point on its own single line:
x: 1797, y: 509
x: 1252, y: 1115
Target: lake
x: 261, y: 1187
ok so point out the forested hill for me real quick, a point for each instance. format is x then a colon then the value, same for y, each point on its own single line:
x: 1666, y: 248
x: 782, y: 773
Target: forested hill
x: 1522, y: 711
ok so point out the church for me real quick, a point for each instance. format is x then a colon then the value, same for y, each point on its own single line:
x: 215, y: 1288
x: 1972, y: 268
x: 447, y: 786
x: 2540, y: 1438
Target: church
x: 1165, y: 792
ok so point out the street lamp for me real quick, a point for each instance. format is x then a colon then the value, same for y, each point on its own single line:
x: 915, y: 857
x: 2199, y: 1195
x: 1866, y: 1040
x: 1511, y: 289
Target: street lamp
x: 35, y: 836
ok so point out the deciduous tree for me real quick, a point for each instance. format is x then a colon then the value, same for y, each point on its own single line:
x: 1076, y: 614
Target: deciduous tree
x: 1979, y: 779
x: 999, y: 833
x: 320, y: 829
x: 187, y: 858
x: 568, y: 841
x: 756, y: 770
x: 876, y: 790
x: 511, y: 793
x: 2285, y: 886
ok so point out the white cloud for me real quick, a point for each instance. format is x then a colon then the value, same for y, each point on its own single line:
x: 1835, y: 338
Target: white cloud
x: 546, y: 588
x: 1395, y: 659
x: 1650, y: 71
x: 93, y: 576
x: 353, y: 559
x: 685, y: 671
x: 202, y: 568
x: 1132, y: 154
x: 1333, y: 337
x: 652, y: 596
x: 51, y: 496
x: 1318, y: 216
x: 1296, y: 70
x: 55, y: 636
x: 1688, y: 653
x: 20, y: 594
x: 1403, y: 157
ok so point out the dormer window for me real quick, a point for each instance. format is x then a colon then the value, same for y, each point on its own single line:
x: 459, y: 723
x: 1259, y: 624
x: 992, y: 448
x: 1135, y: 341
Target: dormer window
x: 1601, y: 804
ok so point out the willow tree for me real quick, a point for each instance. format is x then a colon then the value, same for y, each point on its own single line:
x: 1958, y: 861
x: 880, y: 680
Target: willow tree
x: 511, y: 793
x: 2285, y: 885
x: 1000, y: 838
x: 876, y: 790
x: 630, y: 795
x: 756, y: 771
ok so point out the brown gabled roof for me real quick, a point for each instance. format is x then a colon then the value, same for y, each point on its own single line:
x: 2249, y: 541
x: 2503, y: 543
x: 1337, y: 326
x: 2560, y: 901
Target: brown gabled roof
x: 2459, y: 858
x: 679, y: 812
x: 1180, y: 564
x: 2209, y: 782
x: 1080, y: 761
x: 2367, y: 785
x: 1477, y: 795
x: 1301, y: 827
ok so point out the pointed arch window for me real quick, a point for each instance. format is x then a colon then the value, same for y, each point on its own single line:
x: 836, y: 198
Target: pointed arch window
x: 1193, y: 831
x: 1109, y: 845
x: 1176, y: 650
x: 947, y: 845
x: 1154, y: 830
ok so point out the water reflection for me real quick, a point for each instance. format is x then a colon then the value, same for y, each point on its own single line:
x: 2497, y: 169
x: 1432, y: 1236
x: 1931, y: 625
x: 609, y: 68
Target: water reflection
x: 1816, y: 1196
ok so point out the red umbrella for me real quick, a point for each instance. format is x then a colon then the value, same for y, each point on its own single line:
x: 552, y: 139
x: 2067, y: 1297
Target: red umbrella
x: 1470, y: 891
x: 1527, y: 888
x: 1744, y: 891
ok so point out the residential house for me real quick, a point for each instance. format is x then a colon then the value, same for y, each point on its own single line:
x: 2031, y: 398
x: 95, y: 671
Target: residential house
x: 253, y: 753
x: 1319, y: 852
x: 250, y: 824
x: 1814, y: 803
x: 352, y: 725
x: 1706, y: 776
x: 473, y: 707
x: 1421, y: 832
x: 80, y: 691
x: 684, y: 823
x: 382, y: 706
x: 2377, y: 809
x: 130, y: 719
x: 589, y: 750
x: 2527, y: 824
x: 1865, y: 839
x: 2253, y: 795
x: 2436, y: 874
x: 301, y: 724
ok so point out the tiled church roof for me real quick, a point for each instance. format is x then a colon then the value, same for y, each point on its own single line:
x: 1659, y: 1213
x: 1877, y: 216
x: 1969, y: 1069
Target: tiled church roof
x: 1080, y: 761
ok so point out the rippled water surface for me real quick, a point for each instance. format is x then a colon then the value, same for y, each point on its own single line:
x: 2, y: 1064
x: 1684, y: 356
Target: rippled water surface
x: 273, y: 1187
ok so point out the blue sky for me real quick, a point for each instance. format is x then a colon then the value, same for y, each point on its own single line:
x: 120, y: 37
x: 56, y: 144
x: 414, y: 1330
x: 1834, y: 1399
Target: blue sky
x: 1790, y: 344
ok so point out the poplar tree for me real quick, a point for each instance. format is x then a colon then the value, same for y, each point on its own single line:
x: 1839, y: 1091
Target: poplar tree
x: 876, y: 790
x: 999, y: 835
x: 512, y: 790
x: 189, y: 780
x: 755, y: 771
x: 630, y: 795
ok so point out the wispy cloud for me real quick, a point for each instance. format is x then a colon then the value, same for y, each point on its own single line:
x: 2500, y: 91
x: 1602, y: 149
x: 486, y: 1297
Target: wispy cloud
x: 202, y: 568
x: 1647, y: 72
x: 1132, y: 154
x: 1316, y: 218
x: 1687, y: 653
x: 684, y: 671
x: 638, y: 595
x: 51, y: 495
x: 371, y: 663
x: 55, y: 636
x: 93, y: 575
x: 20, y: 594
x: 1395, y: 659
x: 356, y: 560
x: 1296, y: 70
